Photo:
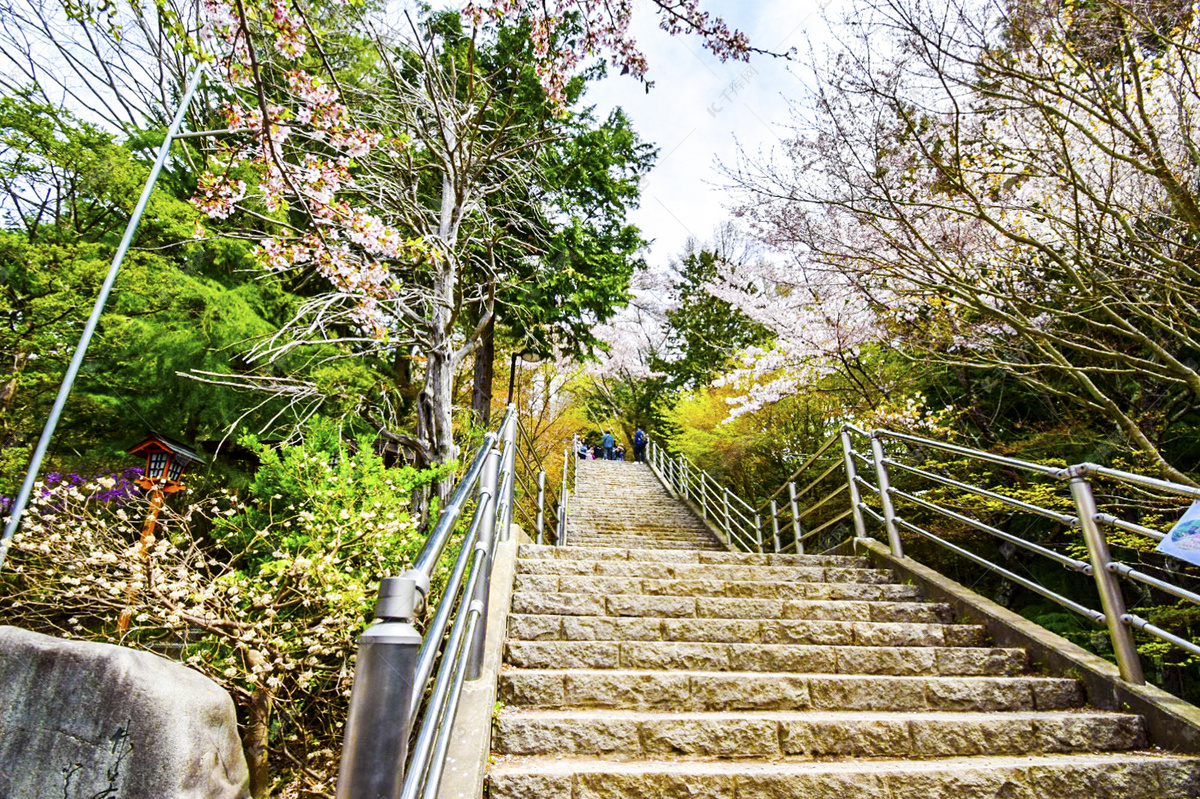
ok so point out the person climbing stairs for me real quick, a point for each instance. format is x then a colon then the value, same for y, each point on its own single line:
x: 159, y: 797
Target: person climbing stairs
x: 621, y: 504
x: 644, y: 662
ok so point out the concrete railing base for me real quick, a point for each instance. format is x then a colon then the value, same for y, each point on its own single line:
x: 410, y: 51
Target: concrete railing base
x: 471, y: 736
x: 1172, y: 723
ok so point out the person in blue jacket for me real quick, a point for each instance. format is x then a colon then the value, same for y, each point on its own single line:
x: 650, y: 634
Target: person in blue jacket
x: 608, y: 443
x: 639, y: 445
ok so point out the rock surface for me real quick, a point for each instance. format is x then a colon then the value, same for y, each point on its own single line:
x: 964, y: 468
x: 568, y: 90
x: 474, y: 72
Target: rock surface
x: 645, y: 663
x: 83, y: 720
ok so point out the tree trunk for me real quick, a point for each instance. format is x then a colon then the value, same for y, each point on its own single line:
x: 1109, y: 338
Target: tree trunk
x: 435, y: 411
x: 485, y: 370
x: 255, y: 742
x: 402, y: 375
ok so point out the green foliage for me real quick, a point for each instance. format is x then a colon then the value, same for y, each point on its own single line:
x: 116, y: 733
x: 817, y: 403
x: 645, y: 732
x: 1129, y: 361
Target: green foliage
x: 331, y: 486
x: 266, y: 595
x: 177, y: 305
x: 706, y: 333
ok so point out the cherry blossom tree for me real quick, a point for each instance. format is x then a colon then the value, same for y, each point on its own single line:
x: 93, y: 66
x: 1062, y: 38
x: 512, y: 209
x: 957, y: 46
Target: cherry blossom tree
x: 1007, y: 186
x: 604, y: 26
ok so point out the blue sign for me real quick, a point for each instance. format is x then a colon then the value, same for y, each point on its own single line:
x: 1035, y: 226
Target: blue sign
x: 1183, y: 541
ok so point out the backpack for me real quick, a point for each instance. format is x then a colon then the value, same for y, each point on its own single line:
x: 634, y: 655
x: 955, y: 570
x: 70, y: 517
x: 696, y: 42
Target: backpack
x: 639, y: 438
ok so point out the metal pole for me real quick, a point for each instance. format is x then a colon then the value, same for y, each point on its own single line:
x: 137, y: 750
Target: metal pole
x: 775, y: 523
x: 512, y: 377
x: 704, y: 493
x: 758, y: 532
x: 1111, y: 600
x: 562, y: 501
x: 795, y: 518
x: 487, y: 482
x: 683, y: 477
x: 860, y: 529
x: 375, y: 746
x: 541, y: 513
x: 89, y: 329
x: 885, y: 497
x: 728, y: 520
x: 510, y: 483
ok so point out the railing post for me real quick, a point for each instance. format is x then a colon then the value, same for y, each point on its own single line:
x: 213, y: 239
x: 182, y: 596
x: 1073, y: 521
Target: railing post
x: 563, y: 500
x: 704, y: 493
x: 375, y: 746
x: 775, y: 523
x: 728, y: 520
x: 541, y: 506
x: 758, y: 532
x: 885, y: 496
x: 795, y: 518
x: 683, y: 477
x: 860, y: 529
x: 508, y: 490
x: 1111, y: 599
x: 488, y: 482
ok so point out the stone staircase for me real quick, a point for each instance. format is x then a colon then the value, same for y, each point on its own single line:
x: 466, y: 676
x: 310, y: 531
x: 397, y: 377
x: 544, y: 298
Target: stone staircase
x: 650, y: 672
x: 619, y: 504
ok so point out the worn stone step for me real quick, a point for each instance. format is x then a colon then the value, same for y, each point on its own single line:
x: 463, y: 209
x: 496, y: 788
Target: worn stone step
x: 771, y: 631
x: 568, y: 604
x: 809, y: 734
x: 597, y: 533
x: 677, y: 532
x: 707, y: 571
x: 644, y: 543
x: 657, y: 530
x: 1135, y: 775
x: 725, y: 691
x: 536, y: 551
x: 710, y: 656
x: 567, y: 583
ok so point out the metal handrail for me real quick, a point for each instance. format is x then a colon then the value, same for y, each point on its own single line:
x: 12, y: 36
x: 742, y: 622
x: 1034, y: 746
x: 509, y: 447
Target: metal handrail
x: 722, y: 507
x: 821, y: 450
x: 535, y: 462
x: 1038, y: 468
x: 392, y: 696
x: 570, y: 476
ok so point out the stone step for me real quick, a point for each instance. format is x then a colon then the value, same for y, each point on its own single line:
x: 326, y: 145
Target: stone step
x: 567, y: 583
x: 646, y: 542
x: 561, y: 689
x: 655, y: 530
x: 1140, y: 775
x: 712, y: 656
x: 807, y: 734
x: 680, y: 607
x: 545, y: 552
x: 742, y: 631
x: 696, y: 571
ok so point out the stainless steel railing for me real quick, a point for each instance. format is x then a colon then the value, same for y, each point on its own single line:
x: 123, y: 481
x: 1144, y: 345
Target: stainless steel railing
x: 393, y: 698
x: 929, y: 493
x: 531, y: 479
x: 570, y: 480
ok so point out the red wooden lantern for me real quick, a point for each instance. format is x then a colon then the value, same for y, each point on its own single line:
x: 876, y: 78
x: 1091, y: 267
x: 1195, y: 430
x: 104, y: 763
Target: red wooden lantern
x: 166, y: 461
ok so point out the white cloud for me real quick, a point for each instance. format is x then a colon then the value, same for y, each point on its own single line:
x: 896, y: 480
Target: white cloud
x: 701, y: 109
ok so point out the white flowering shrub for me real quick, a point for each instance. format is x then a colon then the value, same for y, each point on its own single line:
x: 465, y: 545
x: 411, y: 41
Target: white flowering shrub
x: 265, y: 594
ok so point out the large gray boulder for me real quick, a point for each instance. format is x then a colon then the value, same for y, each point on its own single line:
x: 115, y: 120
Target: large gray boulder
x: 90, y: 721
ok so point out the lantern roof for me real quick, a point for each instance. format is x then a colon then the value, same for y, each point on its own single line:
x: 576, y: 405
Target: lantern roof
x: 157, y: 443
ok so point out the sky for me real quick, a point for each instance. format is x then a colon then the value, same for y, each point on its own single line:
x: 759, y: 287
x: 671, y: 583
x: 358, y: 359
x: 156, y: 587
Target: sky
x: 701, y: 110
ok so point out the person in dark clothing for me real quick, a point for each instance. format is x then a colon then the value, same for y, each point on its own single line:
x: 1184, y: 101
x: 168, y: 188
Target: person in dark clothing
x: 608, y: 443
x: 639, y: 446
